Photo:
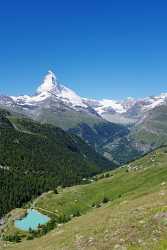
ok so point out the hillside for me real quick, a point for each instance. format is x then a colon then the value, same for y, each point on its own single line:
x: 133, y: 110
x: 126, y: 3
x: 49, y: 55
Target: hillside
x: 35, y: 158
x: 151, y: 132
x: 55, y: 104
x: 132, y: 216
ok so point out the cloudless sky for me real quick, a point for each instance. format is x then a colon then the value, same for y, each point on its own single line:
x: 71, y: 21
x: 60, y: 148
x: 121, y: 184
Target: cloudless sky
x: 101, y: 49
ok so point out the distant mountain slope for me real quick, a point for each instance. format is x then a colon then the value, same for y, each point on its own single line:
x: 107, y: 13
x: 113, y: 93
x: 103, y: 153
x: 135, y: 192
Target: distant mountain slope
x: 112, y: 127
x: 151, y: 131
x: 35, y: 158
x: 128, y: 111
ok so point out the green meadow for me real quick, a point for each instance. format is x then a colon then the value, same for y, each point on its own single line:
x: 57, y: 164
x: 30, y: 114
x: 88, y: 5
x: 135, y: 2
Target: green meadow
x: 122, y: 209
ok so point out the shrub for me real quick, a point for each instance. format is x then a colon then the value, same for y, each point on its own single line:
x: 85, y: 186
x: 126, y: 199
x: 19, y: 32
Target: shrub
x: 93, y: 204
x: 30, y: 237
x: 42, y: 229
x: 101, y: 176
x: 76, y: 213
x: 105, y: 200
x: 12, y: 238
x: 55, y: 191
x: 63, y: 218
x: 98, y: 205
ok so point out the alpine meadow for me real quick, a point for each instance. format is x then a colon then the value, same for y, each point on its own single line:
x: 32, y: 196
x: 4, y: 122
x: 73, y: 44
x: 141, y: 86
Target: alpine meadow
x: 83, y: 125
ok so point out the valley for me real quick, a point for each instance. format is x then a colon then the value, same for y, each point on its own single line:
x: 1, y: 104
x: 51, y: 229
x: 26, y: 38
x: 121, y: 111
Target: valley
x: 35, y: 158
x: 83, y: 125
x: 122, y: 209
x: 96, y: 169
x: 107, y: 125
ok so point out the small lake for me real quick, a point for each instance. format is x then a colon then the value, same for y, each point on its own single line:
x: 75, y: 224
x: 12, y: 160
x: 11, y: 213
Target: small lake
x: 31, y: 220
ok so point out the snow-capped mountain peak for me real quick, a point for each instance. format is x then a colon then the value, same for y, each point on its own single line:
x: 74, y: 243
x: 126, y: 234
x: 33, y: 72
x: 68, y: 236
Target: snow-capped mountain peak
x: 51, y: 93
x: 49, y: 82
x: 51, y: 88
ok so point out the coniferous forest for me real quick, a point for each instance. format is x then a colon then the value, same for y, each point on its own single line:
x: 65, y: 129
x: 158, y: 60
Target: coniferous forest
x: 35, y: 158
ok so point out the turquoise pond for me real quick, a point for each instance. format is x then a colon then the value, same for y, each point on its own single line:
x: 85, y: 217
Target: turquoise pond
x: 31, y: 220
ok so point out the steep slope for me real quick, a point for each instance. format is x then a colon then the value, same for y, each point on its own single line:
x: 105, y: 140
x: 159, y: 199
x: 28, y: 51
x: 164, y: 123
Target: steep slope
x: 132, y: 215
x: 151, y: 131
x: 51, y: 95
x: 56, y: 104
x: 53, y: 103
x: 35, y: 158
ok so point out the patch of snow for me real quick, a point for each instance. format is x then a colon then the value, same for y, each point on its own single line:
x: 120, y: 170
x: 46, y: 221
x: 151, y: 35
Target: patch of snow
x: 152, y: 102
x: 69, y: 95
x: 48, y: 84
x: 117, y: 106
x: 30, y: 100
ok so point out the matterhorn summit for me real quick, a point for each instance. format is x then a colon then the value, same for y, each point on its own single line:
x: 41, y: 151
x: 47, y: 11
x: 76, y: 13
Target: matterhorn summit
x: 53, y: 96
x: 49, y: 83
x: 54, y: 88
x: 51, y: 89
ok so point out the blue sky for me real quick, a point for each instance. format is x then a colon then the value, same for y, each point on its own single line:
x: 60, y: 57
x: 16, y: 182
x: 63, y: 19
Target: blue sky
x: 101, y: 49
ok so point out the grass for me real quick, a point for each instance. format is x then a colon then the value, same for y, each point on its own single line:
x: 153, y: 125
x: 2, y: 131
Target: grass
x: 133, y: 216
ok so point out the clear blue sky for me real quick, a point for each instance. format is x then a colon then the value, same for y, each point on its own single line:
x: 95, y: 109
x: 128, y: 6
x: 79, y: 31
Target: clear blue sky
x: 101, y: 49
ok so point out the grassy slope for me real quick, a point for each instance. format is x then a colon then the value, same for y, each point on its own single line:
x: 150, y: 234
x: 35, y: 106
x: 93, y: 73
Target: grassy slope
x: 133, y: 219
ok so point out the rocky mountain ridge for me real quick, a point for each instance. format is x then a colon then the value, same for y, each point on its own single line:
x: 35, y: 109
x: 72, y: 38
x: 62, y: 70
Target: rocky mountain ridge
x: 114, y: 128
x: 125, y: 111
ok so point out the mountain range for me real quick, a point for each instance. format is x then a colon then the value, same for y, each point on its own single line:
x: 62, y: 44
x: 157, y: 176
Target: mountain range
x: 129, y: 126
x: 55, y: 139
